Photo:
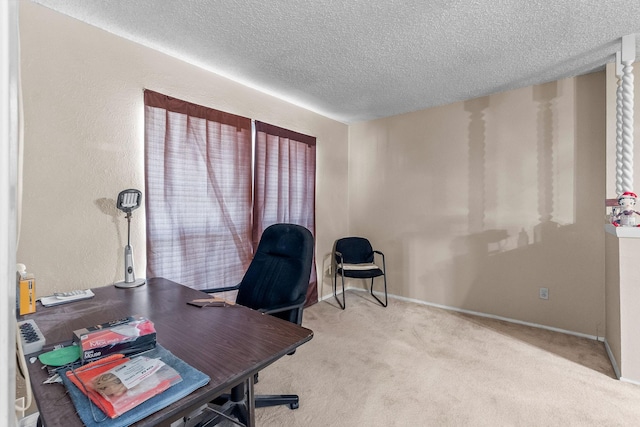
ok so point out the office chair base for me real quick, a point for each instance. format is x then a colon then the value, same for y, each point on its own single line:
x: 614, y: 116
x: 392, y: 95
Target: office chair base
x: 226, y: 402
x: 215, y: 414
x: 263, y: 401
x: 238, y: 404
x: 292, y: 400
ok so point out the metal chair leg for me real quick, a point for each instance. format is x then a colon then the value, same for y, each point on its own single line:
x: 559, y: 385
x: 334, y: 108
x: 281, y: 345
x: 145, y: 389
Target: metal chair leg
x: 335, y: 292
x: 386, y: 301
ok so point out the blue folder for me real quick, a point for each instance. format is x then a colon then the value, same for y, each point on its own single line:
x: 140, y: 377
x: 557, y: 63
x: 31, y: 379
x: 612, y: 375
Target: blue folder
x: 192, y: 379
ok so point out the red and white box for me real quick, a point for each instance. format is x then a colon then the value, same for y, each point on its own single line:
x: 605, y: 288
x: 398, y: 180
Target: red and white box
x: 130, y: 335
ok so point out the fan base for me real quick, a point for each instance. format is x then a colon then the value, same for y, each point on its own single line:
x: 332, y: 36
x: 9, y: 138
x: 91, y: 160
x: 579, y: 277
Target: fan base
x: 134, y: 284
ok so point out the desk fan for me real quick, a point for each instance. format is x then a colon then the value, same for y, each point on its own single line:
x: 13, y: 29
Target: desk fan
x: 128, y: 201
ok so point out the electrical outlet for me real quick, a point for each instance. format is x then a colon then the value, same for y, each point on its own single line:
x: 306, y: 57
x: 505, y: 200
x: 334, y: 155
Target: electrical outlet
x: 544, y: 293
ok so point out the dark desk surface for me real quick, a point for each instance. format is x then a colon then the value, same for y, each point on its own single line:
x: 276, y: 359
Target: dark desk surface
x: 227, y: 343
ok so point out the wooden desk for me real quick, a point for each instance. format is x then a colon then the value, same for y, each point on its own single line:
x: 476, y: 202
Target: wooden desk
x: 230, y: 344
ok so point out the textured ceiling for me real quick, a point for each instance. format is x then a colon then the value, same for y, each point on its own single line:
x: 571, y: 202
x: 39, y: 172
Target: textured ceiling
x: 354, y: 60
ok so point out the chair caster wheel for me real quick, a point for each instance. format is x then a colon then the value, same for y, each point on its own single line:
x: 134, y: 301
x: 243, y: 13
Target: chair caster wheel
x: 294, y: 405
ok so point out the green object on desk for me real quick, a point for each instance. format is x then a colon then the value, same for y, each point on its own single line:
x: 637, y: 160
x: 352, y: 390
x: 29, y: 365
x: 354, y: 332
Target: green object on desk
x: 61, y: 356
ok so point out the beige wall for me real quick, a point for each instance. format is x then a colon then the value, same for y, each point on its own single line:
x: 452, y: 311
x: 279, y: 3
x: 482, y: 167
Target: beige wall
x: 612, y: 297
x: 629, y: 362
x: 622, y: 295
x: 83, y: 111
x: 478, y: 204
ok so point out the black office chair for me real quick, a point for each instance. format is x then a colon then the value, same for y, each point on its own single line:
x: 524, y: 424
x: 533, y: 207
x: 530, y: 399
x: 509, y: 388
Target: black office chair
x: 355, y: 258
x: 276, y: 283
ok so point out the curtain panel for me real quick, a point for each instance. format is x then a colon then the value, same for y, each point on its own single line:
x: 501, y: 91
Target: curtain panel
x: 284, y: 184
x: 198, y: 193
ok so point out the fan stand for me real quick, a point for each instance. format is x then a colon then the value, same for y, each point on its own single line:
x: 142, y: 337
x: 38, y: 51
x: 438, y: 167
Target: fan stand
x: 130, y: 280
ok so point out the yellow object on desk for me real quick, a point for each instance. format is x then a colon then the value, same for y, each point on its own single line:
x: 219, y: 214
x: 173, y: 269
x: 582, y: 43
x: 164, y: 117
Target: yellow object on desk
x: 26, y: 296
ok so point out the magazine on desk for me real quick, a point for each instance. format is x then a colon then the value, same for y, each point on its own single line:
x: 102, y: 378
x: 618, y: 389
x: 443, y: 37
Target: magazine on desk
x: 117, y: 384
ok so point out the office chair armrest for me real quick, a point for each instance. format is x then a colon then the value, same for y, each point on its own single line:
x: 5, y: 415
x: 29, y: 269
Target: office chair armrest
x: 282, y: 308
x: 341, y: 262
x: 225, y: 289
x: 379, y: 253
x: 384, y: 268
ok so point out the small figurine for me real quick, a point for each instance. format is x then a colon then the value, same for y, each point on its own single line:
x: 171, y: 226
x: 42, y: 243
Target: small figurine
x: 624, y: 215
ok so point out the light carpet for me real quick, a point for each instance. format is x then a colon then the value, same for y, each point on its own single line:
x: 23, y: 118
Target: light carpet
x: 410, y: 364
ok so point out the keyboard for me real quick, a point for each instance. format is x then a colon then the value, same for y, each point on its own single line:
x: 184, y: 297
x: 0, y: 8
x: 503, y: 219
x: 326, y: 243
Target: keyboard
x: 66, y: 297
x: 32, y: 338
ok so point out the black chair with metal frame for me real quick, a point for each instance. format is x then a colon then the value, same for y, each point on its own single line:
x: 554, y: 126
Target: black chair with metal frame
x: 354, y: 257
x: 276, y: 283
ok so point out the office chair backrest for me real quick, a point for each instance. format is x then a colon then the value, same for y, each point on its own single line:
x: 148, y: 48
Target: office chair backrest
x: 280, y: 270
x: 354, y: 250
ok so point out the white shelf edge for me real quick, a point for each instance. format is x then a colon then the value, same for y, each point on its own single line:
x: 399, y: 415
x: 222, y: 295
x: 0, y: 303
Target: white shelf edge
x: 626, y: 232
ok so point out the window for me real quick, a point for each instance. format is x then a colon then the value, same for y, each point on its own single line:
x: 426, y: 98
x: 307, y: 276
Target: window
x: 206, y: 208
x: 284, y: 183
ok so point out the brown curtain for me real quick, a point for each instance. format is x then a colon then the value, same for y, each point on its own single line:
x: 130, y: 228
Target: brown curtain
x: 284, y: 184
x: 198, y: 193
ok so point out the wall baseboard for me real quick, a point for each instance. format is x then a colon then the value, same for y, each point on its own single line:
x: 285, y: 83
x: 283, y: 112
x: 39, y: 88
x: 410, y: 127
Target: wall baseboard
x: 480, y: 314
x: 627, y: 380
x: 613, y: 362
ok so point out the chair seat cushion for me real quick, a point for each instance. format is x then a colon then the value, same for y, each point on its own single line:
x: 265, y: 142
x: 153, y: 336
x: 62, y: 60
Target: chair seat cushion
x: 364, y: 270
x: 363, y: 266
